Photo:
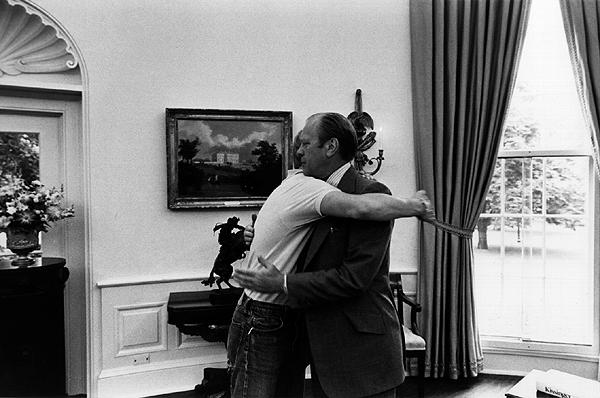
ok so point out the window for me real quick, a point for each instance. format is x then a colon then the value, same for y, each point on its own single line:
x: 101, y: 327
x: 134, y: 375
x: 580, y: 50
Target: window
x: 19, y: 157
x: 533, y: 244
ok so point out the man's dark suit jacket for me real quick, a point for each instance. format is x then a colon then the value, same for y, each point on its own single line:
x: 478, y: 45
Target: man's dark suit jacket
x: 343, y: 285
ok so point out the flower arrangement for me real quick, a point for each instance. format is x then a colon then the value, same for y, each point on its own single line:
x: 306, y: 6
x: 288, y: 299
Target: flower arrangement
x: 30, y: 206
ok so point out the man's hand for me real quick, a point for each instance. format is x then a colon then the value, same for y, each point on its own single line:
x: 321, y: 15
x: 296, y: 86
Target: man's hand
x: 266, y: 280
x: 248, y: 234
x: 427, y: 213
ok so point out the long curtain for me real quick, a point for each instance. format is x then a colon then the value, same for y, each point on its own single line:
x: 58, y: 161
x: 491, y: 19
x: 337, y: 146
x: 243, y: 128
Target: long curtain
x: 464, y: 60
x: 582, y: 27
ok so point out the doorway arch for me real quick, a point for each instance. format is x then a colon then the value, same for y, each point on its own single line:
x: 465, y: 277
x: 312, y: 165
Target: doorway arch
x: 39, y: 48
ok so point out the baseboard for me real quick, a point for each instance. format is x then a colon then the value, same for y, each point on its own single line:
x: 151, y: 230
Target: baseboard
x: 502, y: 372
x: 170, y: 378
x: 504, y: 362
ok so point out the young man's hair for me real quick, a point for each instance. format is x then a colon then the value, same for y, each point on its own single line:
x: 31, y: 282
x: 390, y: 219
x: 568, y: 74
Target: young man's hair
x: 333, y: 125
x: 296, y: 146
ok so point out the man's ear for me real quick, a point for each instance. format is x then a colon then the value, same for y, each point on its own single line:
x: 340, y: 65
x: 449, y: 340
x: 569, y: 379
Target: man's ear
x: 332, y: 146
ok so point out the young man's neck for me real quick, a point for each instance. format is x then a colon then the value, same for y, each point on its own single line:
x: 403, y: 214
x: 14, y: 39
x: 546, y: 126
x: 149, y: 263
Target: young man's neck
x: 333, y: 166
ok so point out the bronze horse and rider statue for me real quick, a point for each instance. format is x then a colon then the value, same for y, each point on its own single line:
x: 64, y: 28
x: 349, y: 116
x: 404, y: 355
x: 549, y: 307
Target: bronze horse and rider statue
x: 233, y: 248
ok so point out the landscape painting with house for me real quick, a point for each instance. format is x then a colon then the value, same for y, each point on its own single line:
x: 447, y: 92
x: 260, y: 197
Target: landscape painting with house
x: 228, y: 158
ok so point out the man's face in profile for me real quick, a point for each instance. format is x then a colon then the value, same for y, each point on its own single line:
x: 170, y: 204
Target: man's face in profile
x: 311, y: 153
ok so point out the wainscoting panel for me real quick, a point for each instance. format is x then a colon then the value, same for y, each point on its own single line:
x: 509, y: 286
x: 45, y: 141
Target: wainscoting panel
x: 141, y: 328
x: 142, y: 355
x: 185, y: 341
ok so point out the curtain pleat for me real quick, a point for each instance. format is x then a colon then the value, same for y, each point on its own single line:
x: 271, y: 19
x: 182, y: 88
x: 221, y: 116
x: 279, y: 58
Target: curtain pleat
x: 582, y: 26
x: 581, y: 19
x: 464, y: 60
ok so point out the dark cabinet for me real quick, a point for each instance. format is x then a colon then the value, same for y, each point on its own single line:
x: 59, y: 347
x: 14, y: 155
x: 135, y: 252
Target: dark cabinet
x: 32, y: 346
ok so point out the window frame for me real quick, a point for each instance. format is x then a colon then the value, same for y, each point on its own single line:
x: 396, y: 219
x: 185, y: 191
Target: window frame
x: 587, y: 352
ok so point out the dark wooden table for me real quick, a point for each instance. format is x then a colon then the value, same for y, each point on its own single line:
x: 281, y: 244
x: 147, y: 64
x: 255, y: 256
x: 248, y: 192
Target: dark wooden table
x: 197, y: 314
x: 205, y: 313
x: 32, y: 345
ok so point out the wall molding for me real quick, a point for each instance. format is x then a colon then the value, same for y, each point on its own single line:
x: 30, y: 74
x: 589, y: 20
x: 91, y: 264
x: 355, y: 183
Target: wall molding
x: 20, y: 86
x: 157, y: 279
x: 542, y: 354
x: 519, y: 362
x: 150, y: 380
x: 150, y: 280
x: 503, y: 372
x: 219, y: 360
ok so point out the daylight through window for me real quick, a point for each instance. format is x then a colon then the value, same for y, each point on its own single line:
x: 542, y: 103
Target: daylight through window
x: 533, y: 241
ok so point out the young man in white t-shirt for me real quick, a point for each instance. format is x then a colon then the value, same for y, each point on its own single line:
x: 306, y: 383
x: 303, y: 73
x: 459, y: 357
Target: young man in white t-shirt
x: 260, y: 334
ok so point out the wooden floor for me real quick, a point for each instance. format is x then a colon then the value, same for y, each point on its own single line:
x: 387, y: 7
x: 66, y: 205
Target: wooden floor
x: 484, y: 386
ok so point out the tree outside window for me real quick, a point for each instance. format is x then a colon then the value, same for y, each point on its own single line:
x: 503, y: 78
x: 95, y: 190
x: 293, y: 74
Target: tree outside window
x: 533, y: 251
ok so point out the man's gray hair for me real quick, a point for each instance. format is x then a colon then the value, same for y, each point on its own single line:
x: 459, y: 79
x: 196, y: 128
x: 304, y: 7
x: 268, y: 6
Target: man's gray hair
x: 333, y: 125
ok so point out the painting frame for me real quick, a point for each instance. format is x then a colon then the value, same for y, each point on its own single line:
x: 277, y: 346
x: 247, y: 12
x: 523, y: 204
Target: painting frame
x: 214, y: 130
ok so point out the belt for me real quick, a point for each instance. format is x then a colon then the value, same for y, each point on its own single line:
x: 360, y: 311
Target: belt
x: 250, y: 303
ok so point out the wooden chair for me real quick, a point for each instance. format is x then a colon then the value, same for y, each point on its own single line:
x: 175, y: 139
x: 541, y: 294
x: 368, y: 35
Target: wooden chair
x: 414, y: 345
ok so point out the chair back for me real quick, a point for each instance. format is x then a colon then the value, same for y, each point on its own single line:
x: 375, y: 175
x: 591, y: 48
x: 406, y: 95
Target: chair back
x: 396, y: 286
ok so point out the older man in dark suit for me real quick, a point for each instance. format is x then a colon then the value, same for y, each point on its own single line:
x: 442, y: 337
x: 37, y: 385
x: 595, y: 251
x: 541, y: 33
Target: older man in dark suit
x: 350, y: 319
x: 349, y: 329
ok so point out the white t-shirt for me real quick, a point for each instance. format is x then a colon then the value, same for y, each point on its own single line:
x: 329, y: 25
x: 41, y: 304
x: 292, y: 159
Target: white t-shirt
x: 283, y: 226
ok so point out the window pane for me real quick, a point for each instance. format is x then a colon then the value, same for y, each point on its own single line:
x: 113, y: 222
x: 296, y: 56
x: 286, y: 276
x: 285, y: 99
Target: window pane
x: 533, y: 279
x: 566, y: 316
x: 20, y: 155
x: 533, y: 237
x: 567, y: 248
x: 537, y: 185
x: 489, y: 284
x: 566, y: 185
x: 533, y: 276
x: 544, y: 112
x: 487, y: 240
x: 514, y: 172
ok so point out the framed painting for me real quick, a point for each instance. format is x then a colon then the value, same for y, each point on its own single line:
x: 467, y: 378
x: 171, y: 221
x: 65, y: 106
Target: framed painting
x: 225, y: 158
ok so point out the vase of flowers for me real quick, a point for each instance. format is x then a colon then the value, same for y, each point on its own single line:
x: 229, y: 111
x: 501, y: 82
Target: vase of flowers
x: 26, y: 209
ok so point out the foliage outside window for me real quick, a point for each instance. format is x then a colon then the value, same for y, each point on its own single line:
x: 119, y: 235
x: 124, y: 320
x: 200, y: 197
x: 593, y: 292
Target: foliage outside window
x: 533, y: 242
x: 19, y: 158
x: 24, y: 202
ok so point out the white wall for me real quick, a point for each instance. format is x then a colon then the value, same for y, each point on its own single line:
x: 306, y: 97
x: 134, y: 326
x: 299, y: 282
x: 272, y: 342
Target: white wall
x: 144, y: 56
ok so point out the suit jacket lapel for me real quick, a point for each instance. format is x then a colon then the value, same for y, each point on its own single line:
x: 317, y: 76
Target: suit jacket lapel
x: 347, y: 184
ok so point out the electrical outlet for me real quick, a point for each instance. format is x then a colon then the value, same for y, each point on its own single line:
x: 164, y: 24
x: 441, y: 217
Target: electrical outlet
x: 140, y: 359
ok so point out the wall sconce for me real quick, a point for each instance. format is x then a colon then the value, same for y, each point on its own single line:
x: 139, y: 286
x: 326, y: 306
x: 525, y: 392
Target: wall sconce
x: 362, y: 123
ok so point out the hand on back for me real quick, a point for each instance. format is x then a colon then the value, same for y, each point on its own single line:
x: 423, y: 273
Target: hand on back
x: 248, y: 234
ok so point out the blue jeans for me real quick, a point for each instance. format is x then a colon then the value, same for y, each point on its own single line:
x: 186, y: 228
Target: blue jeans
x: 258, y: 346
